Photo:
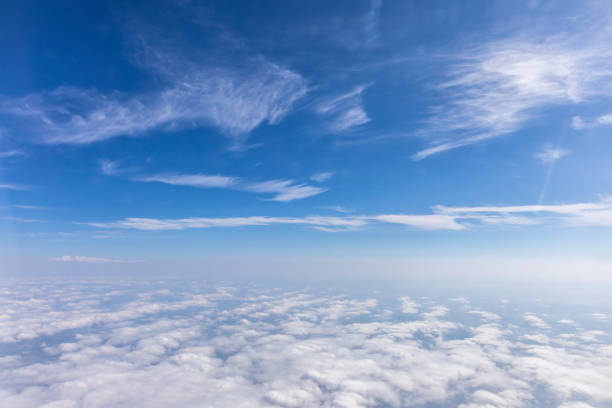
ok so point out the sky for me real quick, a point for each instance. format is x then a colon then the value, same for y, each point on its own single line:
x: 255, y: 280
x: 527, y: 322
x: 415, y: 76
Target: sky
x: 142, y: 134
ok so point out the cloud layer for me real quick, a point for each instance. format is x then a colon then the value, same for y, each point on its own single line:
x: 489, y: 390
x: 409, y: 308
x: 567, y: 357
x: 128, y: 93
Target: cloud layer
x: 163, y: 345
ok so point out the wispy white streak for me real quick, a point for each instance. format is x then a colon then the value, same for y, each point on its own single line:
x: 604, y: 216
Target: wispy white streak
x: 499, y: 87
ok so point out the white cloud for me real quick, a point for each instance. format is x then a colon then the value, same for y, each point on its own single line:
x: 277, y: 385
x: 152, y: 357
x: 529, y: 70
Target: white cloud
x: 598, y: 214
x: 427, y: 222
x: 191, y: 180
x: 443, y: 218
x: 579, y: 124
x: 550, y: 154
x: 110, y: 167
x: 283, y: 190
x: 346, y: 110
x: 18, y: 219
x: 408, y: 305
x: 235, y: 98
x: 8, y: 186
x: 275, y: 348
x: 11, y: 153
x: 88, y: 259
x: 499, y: 87
x: 322, y: 176
x: 536, y: 321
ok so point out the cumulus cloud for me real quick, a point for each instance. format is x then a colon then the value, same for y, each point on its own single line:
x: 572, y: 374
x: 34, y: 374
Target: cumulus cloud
x: 134, y: 345
x: 500, y: 86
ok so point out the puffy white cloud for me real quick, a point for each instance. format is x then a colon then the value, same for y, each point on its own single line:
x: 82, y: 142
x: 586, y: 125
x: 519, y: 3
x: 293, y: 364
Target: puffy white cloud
x: 190, y: 347
x: 550, y: 154
x: 579, y: 124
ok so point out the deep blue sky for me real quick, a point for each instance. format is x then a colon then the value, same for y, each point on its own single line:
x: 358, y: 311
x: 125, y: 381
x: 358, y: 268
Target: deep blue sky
x: 184, y: 129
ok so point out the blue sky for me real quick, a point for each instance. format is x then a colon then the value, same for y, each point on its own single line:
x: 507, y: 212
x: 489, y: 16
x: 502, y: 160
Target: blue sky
x: 383, y: 129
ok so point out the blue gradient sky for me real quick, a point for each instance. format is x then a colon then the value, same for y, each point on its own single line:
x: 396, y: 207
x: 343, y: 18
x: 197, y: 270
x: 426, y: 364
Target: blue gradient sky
x: 383, y: 129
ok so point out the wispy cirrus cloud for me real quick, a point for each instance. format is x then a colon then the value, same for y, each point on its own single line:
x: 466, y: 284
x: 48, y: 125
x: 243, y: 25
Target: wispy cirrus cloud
x: 10, y: 186
x: 345, y: 111
x: 500, y: 86
x: 442, y: 218
x: 111, y: 167
x: 322, y: 176
x: 234, y: 98
x: 282, y: 190
x: 88, y: 259
x: 551, y: 154
x: 11, y: 153
x: 19, y: 219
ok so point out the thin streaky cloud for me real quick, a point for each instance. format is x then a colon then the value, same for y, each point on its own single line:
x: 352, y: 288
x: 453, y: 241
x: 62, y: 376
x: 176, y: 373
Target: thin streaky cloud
x: 282, y: 190
x: 191, y: 180
x: 88, y: 259
x: 23, y: 220
x: 443, y: 219
x: 345, y: 111
x: 111, y: 167
x: 502, y: 85
x: 7, y: 186
x: 11, y: 153
x: 322, y: 176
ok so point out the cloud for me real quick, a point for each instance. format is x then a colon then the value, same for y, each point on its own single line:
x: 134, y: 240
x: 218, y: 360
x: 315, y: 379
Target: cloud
x: 11, y: 153
x: 17, y: 219
x: 235, y: 98
x: 7, y: 186
x: 345, y: 111
x: 322, y: 176
x: 192, y: 347
x: 427, y: 222
x: 191, y: 180
x: 110, y: 167
x: 409, y: 306
x: 201, y: 222
x: 282, y: 190
x: 579, y: 124
x: 550, y: 154
x: 596, y: 214
x: 87, y: 259
x: 497, y: 88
